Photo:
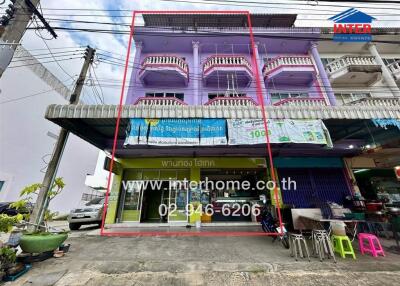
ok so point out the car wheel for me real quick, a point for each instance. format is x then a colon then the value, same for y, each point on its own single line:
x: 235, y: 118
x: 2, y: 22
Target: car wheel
x: 74, y: 226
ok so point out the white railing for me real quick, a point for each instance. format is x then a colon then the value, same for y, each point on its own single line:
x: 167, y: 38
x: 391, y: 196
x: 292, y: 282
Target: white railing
x: 286, y: 61
x: 232, y: 101
x: 166, y: 61
x: 347, y: 61
x: 233, y: 61
x: 377, y: 102
x: 306, y: 102
x: 163, y: 101
x: 395, y: 69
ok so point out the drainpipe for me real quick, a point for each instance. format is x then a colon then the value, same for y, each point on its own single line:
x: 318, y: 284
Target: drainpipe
x: 196, y: 73
x: 387, y: 75
x: 260, y: 65
x: 322, y: 74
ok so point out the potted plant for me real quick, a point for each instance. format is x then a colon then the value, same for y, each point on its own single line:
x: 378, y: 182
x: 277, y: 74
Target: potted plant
x: 7, y: 255
x: 42, y: 240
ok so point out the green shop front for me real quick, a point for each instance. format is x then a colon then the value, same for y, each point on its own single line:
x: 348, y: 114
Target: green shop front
x: 153, y: 190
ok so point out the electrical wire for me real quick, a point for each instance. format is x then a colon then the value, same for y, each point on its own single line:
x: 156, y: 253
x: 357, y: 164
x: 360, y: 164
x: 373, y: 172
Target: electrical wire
x: 34, y: 94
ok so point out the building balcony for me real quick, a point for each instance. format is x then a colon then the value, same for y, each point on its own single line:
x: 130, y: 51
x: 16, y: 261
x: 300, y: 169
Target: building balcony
x: 301, y: 102
x: 385, y: 102
x: 224, y: 70
x: 164, y: 70
x: 354, y: 71
x: 159, y: 101
x: 232, y: 101
x: 289, y: 70
x: 395, y: 69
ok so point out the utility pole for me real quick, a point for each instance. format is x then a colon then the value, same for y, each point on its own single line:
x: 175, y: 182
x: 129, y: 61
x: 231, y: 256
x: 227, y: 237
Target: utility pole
x: 51, y: 172
x: 14, y: 26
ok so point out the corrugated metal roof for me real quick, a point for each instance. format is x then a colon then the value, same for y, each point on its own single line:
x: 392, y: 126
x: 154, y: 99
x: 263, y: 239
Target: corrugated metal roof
x: 187, y: 111
x: 218, y: 20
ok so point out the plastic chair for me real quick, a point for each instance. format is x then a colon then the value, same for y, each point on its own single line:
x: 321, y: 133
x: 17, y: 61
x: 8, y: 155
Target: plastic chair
x: 342, y: 245
x: 322, y: 245
x: 297, y: 243
x: 373, y: 246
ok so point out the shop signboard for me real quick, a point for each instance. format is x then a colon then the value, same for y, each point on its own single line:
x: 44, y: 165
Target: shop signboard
x: 252, y: 131
x: 211, y: 132
x: 175, y: 132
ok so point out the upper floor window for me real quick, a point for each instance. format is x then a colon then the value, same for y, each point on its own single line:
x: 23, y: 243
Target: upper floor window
x: 344, y: 98
x: 326, y: 61
x: 279, y: 96
x: 390, y: 61
x: 177, y: 95
x: 215, y: 95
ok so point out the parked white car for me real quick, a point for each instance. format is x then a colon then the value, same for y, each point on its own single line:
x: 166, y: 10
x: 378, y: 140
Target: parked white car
x: 90, y: 214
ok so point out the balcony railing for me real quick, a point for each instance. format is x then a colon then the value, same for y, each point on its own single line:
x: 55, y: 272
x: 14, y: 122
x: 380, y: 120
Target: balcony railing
x: 395, y: 69
x: 226, y: 61
x: 159, y: 61
x: 160, y: 101
x: 291, y: 61
x: 346, y: 61
x: 232, y: 101
x: 299, y: 101
x: 377, y: 101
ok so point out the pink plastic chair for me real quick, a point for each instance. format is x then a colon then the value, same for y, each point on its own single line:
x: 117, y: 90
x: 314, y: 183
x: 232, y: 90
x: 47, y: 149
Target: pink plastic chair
x: 373, y: 246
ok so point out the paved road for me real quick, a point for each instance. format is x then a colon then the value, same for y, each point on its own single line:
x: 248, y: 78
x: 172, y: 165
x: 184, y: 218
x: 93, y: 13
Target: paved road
x: 95, y: 260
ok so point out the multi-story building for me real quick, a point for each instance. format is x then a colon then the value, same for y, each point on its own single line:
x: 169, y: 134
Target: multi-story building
x: 194, y: 107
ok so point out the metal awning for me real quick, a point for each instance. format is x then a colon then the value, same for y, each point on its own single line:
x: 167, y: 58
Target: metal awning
x: 96, y: 124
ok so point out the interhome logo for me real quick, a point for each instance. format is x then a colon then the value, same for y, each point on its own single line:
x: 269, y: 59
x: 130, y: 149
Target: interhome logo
x: 352, y: 26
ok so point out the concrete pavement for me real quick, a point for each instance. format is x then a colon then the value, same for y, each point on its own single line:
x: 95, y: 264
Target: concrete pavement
x: 176, y: 260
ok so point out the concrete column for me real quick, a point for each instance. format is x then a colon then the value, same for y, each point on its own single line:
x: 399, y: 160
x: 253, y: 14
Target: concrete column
x: 322, y: 74
x: 387, y: 75
x: 135, y: 71
x: 260, y: 64
x: 136, y: 61
x: 196, y: 74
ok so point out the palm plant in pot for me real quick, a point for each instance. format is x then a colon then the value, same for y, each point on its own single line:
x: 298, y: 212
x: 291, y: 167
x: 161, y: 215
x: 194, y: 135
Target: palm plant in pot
x: 42, y: 240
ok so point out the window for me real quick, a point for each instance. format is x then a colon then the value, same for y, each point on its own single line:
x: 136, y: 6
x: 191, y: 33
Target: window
x: 326, y: 61
x: 279, y: 96
x: 214, y: 95
x: 177, y: 95
x: 1, y: 185
x: 344, y: 98
x: 390, y: 61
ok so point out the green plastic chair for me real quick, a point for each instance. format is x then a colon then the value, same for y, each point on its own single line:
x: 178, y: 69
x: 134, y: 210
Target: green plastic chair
x: 342, y: 246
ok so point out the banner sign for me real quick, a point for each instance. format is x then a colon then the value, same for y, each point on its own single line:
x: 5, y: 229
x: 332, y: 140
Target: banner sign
x: 211, y: 132
x: 252, y: 131
x: 175, y: 132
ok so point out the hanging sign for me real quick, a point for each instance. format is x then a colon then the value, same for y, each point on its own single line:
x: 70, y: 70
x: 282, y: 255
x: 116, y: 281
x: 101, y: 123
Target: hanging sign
x: 172, y: 132
x: 252, y: 131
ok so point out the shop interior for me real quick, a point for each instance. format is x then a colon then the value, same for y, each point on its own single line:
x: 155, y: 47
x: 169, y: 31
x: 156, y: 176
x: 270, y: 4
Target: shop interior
x: 234, y: 197
x: 380, y: 192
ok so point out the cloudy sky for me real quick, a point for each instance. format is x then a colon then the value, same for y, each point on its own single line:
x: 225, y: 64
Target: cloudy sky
x: 115, y: 46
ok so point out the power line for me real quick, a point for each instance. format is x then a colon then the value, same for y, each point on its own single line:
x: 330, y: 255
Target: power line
x: 34, y: 94
x: 60, y: 60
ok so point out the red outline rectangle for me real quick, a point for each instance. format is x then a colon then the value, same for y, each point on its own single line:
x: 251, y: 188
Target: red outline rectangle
x: 261, y: 102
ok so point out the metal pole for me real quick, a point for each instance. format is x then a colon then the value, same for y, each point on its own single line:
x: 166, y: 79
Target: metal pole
x: 13, y: 32
x: 51, y: 172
